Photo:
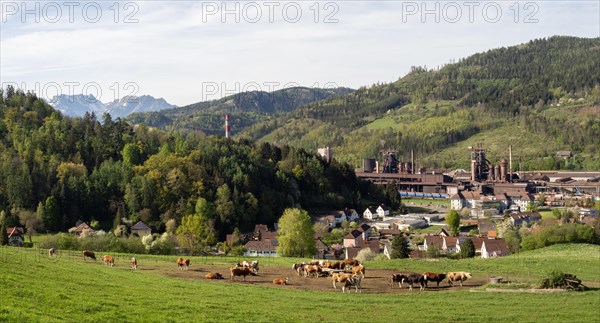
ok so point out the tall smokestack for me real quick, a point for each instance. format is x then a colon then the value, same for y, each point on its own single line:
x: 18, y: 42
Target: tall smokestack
x: 227, y: 126
x: 412, y: 161
x: 510, y: 163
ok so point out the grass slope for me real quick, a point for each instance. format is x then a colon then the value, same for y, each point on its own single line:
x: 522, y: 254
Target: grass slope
x: 36, y: 288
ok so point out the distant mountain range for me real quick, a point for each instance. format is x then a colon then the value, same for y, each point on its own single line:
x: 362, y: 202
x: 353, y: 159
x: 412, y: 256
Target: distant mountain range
x: 78, y: 105
x: 246, y: 109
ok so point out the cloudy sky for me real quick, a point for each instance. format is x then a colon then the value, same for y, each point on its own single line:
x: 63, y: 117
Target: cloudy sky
x: 190, y: 51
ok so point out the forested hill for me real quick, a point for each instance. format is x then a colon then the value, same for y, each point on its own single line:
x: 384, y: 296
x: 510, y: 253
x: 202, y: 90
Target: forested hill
x: 246, y: 108
x: 57, y: 170
x: 541, y: 96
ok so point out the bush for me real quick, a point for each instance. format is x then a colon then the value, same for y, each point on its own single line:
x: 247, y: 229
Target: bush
x: 366, y: 255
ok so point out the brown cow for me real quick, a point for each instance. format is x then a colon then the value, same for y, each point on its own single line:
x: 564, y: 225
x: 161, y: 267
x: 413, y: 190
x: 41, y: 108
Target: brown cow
x: 213, y: 276
x: 109, y: 260
x: 351, y: 262
x: 312, y: 269
x: 133, y: 263
x: 280, y: 281
x: 434, y: 278
x: 183, y: 264
x: 457, y: 276
x: 89, y: 254
x: 339, y: 278
x: 236, y: 271
x: 360, y: 269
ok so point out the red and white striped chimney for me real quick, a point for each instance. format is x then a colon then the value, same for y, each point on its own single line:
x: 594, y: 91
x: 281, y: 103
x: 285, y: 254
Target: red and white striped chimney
x: 226, y: 126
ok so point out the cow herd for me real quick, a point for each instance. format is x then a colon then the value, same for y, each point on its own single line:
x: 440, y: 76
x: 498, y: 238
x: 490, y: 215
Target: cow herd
x: 348, y: 273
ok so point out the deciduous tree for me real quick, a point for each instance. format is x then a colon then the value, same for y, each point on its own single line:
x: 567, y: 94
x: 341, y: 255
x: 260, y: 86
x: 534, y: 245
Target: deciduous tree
x: 296, y: 234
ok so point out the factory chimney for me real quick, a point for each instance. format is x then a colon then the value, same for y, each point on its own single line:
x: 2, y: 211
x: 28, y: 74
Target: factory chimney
x: 227, y: 126
x: 510, y: 163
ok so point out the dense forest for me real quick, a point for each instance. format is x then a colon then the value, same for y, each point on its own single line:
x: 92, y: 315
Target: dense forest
x: 544, y: 91
x: 246, y: 108
x: 66, y: 170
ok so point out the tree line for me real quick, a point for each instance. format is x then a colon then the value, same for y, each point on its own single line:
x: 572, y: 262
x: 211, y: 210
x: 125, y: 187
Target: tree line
x: 65, y: 170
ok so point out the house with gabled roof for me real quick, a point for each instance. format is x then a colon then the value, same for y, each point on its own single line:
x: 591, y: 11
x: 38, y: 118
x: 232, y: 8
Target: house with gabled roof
x: 370, y: 213
x: 383, y: 211
x: 261, y: 248
x: 141, y: 229
x: 353, y: 238
x: 449, y: 244
x: 81, y: 228
x: 16, y: 236
x: 518, y: 219
x: 457, y: 202
x: 433, y: 241
x: 493, y: 248
x: 351, y: 214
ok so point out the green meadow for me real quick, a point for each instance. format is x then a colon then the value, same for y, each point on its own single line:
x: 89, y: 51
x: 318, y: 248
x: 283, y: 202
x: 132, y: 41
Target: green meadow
x: 36, y: 288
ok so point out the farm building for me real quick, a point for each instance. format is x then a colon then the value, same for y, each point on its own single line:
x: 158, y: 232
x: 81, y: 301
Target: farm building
x: 15, y: 236
x: 82, y: 228
x: 261, y: 248
x: 141, y: 229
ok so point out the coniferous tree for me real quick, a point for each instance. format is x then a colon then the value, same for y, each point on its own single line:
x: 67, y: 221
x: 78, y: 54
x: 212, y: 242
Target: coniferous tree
x: 400, y: 247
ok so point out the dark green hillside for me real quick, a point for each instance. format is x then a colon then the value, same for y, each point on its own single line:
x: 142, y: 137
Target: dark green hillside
x: 545, y: 91
x: 70, y: 169
x: 246, y: 108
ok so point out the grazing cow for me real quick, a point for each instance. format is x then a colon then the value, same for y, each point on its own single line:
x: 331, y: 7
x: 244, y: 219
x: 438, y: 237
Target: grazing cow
x: 353, y: 281
x: 339, y: 278
x: 213, y: 276
x: 280, y: 281
x: 237, y: 271
x: 51, y: 252
x: 133, y: 263
x: 397, y: 278
x: 312, y: 269
x: 360, y: 269
x: 109, y: 260
x: 89, y: 254
x: 183, y: 264
x: 459, y: 276
x: 434, y: 278
x: 414, y: 278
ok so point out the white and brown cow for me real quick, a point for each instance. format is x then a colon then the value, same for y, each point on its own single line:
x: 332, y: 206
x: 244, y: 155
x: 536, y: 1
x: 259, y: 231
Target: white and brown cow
x: 458, y: 276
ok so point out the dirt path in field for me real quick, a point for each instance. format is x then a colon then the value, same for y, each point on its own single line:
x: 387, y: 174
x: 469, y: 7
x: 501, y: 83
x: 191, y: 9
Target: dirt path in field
x: 376, y: 281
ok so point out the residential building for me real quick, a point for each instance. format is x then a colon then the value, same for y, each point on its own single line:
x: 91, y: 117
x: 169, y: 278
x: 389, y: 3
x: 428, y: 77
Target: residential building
x: 141, y: 229
x: 370, y: 213
x: 492, y: 248
x: 16, y: 236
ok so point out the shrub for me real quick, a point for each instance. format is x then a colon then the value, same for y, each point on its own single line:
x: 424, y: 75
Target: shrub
x: 366, y: 255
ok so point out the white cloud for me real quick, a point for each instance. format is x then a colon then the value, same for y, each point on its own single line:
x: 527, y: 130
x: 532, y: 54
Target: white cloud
x: 172, y: 51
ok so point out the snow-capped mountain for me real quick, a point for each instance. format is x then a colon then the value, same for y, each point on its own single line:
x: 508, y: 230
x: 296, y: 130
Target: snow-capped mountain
x: 131, y: 104
x: 78, y: 105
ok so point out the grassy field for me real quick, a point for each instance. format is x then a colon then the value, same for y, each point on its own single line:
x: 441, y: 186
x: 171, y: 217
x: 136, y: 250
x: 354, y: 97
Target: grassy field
x: 36, y: 288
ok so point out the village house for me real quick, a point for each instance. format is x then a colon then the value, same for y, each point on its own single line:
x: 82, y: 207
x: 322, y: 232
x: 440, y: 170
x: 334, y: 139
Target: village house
x: 351, y: 214
x: 262, y: 242
x: 261, y: 248
x: 456, y: 202
x: 15, y: 236
x: 493, y: 248
x: 383, y: 211
x: 370, y: 213
x: 141, y: 229
x: 353, y: 238
x: 518, y: 219
x: 82, y: 228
